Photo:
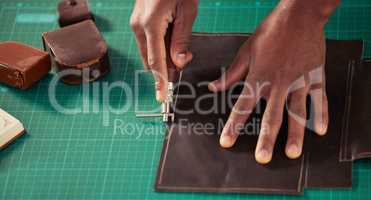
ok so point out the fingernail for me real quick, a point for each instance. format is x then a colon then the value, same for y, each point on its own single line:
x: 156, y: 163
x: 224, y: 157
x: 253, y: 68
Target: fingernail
x: 263, y: 156
x: 226, y: 141
x: 159, y: 96
x: 157, y: 86
x: 293, y: 151
x: 321, y: 128
x: 181, y: 57
x: 211, y: 86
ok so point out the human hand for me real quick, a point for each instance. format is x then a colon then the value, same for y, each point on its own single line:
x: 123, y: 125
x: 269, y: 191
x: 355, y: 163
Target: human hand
x: 283, y: 59
x: 150, y: 20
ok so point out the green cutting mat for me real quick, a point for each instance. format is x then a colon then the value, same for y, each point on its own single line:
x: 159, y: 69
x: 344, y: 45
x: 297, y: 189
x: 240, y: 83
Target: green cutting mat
x: 81, y: 156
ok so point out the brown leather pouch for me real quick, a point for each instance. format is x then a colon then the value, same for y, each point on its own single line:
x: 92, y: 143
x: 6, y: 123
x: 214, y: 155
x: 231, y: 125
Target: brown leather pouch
x: 193, y: 161
x: 21, y: 66
x: 78, y: 52
x: 73, y: 11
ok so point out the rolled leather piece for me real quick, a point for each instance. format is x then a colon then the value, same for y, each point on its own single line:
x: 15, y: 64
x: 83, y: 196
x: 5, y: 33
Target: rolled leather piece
x: 21, y: 65
x: 193, y: 161
x: 73, y: 11
x: 79, y: 52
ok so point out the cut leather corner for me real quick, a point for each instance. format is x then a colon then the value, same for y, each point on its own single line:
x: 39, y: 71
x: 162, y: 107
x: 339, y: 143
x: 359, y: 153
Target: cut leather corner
x: 193, y: 161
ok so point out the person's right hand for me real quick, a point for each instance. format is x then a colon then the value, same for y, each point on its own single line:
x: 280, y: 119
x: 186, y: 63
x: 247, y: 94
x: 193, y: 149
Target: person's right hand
x: 149, y: 21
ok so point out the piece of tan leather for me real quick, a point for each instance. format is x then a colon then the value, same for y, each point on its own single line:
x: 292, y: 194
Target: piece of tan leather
x: 193, y: 161
x: 12, y: 140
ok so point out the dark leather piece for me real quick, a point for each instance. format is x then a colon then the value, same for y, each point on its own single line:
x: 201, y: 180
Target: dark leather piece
x: 324, y: 169
x: 21, y: 66
x: 73, y: 11
x: 356, y: 135
x: 79, y: 48
x: 193, y: 161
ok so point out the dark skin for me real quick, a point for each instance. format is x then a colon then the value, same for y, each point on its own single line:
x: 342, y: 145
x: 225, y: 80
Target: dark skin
x: 289, y: 45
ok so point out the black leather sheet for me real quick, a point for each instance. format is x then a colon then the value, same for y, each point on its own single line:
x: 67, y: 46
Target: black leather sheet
x: 192, y: 159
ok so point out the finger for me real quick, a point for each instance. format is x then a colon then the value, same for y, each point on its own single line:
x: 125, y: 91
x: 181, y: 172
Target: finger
x: 236, y: 71
x: 271, y: 124
x: 181, y: 35
x: 297, y: 119
x: 157, y: 62
x: 140, y: 36
x: 240, y: 113
x: 142, y: 46
x: 320, y: 108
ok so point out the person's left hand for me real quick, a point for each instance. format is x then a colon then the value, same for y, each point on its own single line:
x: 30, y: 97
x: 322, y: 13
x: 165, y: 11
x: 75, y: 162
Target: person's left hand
x: 283, y: 59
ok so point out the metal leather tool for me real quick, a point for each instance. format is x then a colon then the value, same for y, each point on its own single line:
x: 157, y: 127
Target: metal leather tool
x: 166, y: 107
x: 174, y: 75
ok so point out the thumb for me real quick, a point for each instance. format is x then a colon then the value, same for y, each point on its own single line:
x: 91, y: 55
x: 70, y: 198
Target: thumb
x: 235, y: 72
x: 181, y: 33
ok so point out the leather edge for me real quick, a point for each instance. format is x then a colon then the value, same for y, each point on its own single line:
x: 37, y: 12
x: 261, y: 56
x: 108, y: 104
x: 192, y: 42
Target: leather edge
x: 365, y: 154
